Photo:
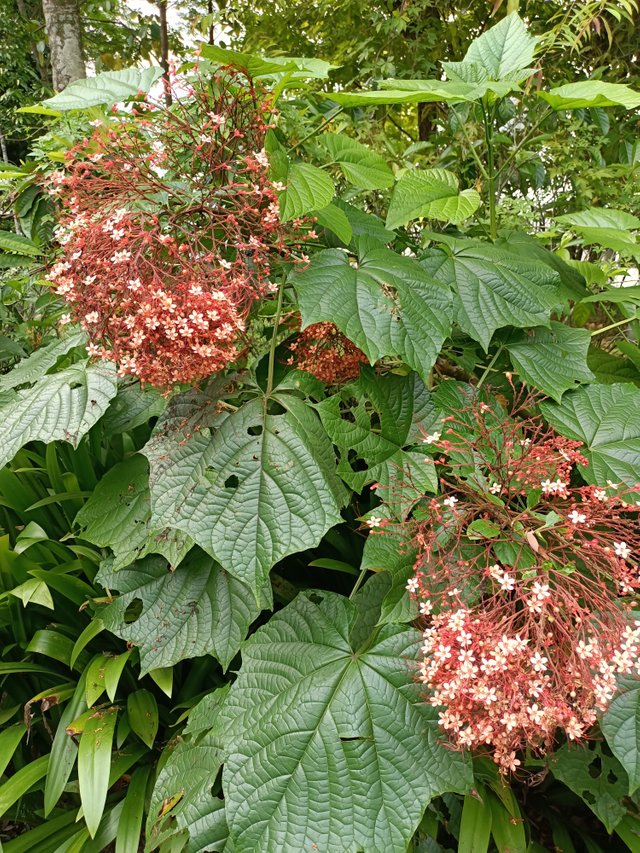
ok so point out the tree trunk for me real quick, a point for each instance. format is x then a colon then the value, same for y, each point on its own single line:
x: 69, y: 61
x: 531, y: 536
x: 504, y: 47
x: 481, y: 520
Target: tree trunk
x: 164, y: 50
x: 62, y: 23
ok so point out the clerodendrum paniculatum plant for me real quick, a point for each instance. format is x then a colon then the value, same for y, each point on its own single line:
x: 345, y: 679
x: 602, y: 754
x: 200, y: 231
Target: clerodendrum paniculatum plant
x: 416, y: 441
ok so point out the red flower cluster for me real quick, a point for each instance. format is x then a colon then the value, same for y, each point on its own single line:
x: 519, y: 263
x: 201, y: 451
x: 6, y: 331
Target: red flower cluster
x: 526, y: 584
x: 168, y: 229
x: 323, y: 351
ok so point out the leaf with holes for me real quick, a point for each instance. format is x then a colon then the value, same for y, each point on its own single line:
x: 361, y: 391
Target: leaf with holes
x: 620, y: 725
x: 195, y: 610
x: 433, y: 194
x: 361, y: 166
x: 598, y: 779
x: 494, y: 288
x: 107, y: 88
x: 359, y: 755
x: 59, y: 407
x: 375, y: 422
x: 250, y: 487
x: 552, y: 360
x: 607, y: 419
x: 383, y: 302
x: 118, y: 516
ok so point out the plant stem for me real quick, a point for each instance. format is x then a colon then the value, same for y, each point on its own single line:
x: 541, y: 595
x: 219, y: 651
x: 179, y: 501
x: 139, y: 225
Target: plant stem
x: 316, y: 130
x: 491, y: 174
x: 358, y: 582
x: 487, y: 370
x: 274, y: 339
x: 474, y: 153
x: 613, y: 326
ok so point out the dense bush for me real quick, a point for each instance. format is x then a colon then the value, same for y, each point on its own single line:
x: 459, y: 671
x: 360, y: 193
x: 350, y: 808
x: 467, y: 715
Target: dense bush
x: 320, y: 531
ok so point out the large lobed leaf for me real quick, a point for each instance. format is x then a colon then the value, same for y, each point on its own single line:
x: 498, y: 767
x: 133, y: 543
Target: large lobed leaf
x: 385, y: 303
x: 327, y: 744
x: 607, y: 419
x: 118, y: 516
x: 360, y: 165
x: 494, y: 288
x: 505, y: 51
x: 620, y: 725
x: 194, y: 610
x: 591, y: 93
x: 106, y: 88
x: 59, y: 407
x: 430, y: 193
x: 552, y: 360
x: 375, y: 423
x: 249, y: 488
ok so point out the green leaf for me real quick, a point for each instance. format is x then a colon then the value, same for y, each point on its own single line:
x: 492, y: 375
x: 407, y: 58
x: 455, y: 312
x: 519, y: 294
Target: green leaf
x: 430, y: 193
x: 358, y: 757
x: 21, y: 781
x: 360, y: 165
x: 33, y: 367
x: 107, y: 88
x: 335, y: 219
x: 482, y: 529
x: 250, y: 488
x: 59, y: 407
x: 63, y: 751
x: 385, y: 303
x: 620, y: 725
x: 375, y: 422
x: 194, y: 610
x: 507, y: 830
x: 598, y: 779
x: 591, y: 93
x: 552, y: 360
x: 609, y: 228
x: 130, y: 823
x: 607, y: 419
x: 495, y: 288
x: 422, y: 91
x: 600, y: 217
x: 183, y: 790
x: 9, y: 741
x: 365, y: 224
x: 271, y: 66
x: 33, y: 592
x: 118, y: 516
x: 475, y: 823
x: 94, y: 762
x: 18, y: 245
x: 389, y: 551
x: 142, y: 711
x: 505, y: 51
x: 133, y: 406
x: 308, y: 188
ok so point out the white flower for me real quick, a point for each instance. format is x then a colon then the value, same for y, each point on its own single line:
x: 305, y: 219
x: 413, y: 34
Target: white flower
x: 622, y: 550
x: 425, y: 606
x: 431, y: 437
x: 412, y: 584
x: 576, y: 517
x: 600, y: 494
x: 452, y: 501
x: 374, y: 521
x: 495, y: 488
x: 92, y: 317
